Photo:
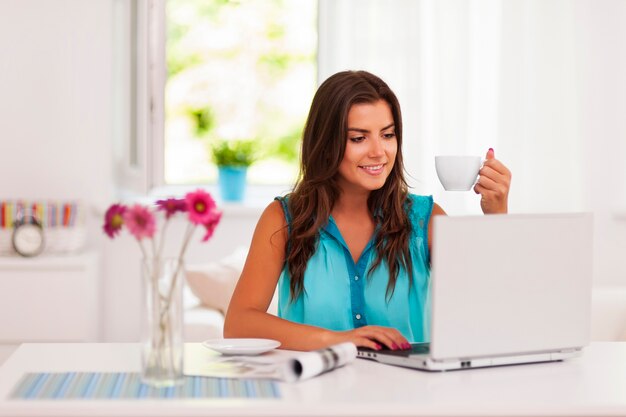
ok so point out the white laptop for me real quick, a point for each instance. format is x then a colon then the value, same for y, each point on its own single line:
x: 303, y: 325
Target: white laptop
x: 506, y: 289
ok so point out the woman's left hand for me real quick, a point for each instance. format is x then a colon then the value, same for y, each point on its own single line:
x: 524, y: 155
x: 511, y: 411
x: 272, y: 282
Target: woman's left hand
x: 493, y: 185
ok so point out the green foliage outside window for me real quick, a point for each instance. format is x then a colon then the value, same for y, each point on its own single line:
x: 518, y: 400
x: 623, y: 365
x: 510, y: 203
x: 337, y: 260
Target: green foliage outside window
x: 203, y: 121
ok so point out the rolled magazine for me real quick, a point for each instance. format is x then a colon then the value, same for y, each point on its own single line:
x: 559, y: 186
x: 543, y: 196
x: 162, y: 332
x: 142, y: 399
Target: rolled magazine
x: 310, y: 364
x: 289, y: 366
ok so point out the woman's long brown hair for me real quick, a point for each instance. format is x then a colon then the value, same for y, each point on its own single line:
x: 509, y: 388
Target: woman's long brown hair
x: 315, y: 193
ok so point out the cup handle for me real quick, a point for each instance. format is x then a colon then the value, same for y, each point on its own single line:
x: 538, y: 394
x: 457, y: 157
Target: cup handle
x: 482, y: 163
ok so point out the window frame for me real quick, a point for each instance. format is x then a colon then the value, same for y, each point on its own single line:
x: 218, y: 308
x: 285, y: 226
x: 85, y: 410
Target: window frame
x: 137, y: 97
x: 156, y: 74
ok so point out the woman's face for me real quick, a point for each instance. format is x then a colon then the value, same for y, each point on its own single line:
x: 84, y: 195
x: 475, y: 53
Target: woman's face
x: 370, y: 149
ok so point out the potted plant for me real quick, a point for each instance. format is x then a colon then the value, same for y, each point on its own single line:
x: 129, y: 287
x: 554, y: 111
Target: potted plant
x: 232, y: 157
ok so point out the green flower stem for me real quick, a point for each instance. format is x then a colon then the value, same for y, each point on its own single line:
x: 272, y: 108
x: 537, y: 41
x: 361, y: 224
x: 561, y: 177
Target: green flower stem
x: 160, y: 251
x: 188, y: 233
x: 154, y: 252
x: 165, y: 361
x: 143, y: 249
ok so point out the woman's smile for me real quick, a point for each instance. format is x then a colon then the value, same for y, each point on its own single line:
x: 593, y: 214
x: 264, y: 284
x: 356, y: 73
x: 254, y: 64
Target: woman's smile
x: 373, y: 169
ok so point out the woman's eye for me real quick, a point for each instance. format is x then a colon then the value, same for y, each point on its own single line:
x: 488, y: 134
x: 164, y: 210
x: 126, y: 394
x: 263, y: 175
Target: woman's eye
x: 357, y: 139
x: 389, y: 135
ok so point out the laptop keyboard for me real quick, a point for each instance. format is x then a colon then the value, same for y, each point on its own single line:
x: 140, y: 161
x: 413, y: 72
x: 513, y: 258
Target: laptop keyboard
x: 420, y: 348
x: 416, y: 349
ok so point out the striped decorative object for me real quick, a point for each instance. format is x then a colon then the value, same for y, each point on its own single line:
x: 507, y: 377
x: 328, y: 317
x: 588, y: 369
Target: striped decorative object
x: 63, y: 223
x: 48, y: 213
x: 128, y: 385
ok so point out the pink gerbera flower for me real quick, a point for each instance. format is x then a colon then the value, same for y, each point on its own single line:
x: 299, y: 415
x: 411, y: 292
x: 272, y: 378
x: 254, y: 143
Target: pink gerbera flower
x: 140, y: 221
x: 171, y: 205
x: 211, y: 224
x: 200, y: 206
x: 114, y: 220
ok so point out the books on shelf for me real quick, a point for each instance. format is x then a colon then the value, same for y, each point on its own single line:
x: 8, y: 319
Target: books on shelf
x: 289, y: 366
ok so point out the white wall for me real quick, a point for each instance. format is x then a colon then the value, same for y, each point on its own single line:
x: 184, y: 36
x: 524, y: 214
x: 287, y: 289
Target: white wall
x: 56, y: 134
x: 603, y: 127
x: 55, y: 99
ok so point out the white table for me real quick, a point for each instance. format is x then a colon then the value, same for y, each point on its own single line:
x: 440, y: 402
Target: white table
x: 592, y: 385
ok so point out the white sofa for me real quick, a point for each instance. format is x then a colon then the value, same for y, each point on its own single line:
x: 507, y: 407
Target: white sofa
x: 202, y: 323
x: 212, y: 285
x: 209, y: 289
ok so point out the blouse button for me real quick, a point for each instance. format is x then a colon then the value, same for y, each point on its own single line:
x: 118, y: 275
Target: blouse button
x: 356, y: 277
x: 358, y: 317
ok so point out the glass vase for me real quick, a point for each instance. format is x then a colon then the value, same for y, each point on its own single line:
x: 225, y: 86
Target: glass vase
x: 162, y: 324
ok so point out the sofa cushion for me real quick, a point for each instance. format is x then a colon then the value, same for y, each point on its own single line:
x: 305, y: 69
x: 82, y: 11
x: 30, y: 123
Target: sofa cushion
x: 213, y: 283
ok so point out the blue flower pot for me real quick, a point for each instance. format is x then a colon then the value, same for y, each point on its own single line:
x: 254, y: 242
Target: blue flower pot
x: 232, y: 182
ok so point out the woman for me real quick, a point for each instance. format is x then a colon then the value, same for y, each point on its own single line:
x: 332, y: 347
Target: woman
x: 349, y: 247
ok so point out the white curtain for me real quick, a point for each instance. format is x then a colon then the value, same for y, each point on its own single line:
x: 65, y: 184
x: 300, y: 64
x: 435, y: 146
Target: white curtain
x: 470, y: 75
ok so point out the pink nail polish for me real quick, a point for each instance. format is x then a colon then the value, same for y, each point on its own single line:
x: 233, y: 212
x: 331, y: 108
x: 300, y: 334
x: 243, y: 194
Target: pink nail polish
x: 406, y: 345
x: 378, y: 347
x: 394, y: 346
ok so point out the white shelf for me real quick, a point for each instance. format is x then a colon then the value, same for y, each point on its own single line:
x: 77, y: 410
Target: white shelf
x: 46, y: 262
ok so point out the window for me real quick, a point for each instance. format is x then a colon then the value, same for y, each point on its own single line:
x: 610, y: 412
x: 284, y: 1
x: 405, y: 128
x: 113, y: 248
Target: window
x: 231, y: 70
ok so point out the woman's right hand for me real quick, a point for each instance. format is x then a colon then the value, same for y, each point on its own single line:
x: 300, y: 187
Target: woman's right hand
x: 373, y: 337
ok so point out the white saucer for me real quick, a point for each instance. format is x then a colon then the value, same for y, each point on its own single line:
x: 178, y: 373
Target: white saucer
x: 241, y: 346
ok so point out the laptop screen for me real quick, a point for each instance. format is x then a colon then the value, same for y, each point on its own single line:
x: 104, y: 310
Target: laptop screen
x: 509, y: 284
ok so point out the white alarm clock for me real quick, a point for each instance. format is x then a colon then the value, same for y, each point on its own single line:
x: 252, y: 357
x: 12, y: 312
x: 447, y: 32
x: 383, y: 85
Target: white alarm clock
x: 28, y: 236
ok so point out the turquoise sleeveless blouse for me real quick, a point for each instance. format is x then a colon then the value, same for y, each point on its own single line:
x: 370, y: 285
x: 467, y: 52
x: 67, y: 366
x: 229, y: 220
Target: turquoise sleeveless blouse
x: 340, y: 295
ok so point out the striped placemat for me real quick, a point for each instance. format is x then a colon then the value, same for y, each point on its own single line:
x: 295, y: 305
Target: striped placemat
x: 128, y: 385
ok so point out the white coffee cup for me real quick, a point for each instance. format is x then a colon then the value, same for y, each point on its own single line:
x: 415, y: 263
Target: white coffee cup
x: 457, y: 172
